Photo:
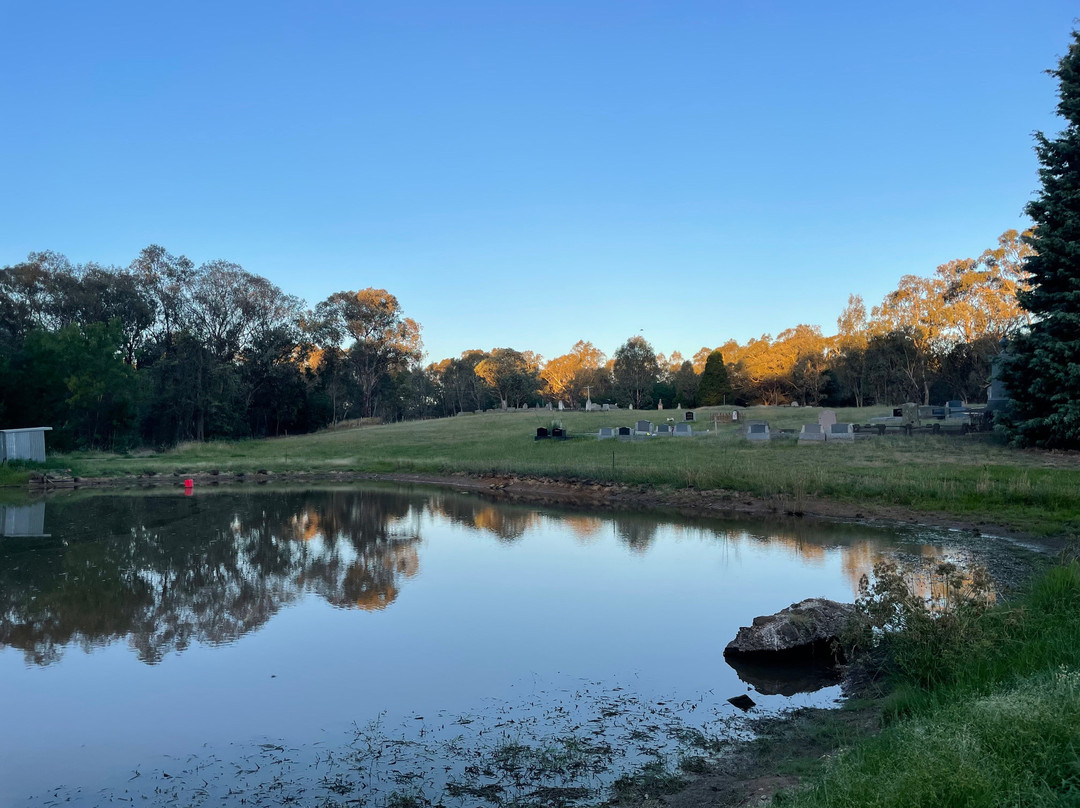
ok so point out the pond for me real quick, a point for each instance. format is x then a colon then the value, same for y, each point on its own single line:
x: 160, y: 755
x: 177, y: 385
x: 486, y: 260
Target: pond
x: 390, y: 643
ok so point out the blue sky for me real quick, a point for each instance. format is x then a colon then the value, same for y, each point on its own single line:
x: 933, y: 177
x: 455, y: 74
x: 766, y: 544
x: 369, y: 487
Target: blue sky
x: 530, y: 174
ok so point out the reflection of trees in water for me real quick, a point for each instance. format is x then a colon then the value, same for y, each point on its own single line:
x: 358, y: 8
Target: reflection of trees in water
x: 506, y: 523
x: 586, y: 529
x: 204, y: 570
x: 637, y: 532
x: 167, y: 571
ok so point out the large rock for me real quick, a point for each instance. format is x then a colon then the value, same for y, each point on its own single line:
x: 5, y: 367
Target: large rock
x: 804, y: 629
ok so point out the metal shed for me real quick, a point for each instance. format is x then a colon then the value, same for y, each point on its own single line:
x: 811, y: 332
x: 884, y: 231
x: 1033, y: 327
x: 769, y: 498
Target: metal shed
x: 23, y: 444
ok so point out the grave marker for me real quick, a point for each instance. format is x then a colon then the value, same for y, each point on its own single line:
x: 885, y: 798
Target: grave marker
x: 826, y: 419
x: 812, y: 433
x: 843, y: 432
x: 758, y: 431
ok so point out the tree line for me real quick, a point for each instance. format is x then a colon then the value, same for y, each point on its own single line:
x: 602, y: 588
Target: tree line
x: 164, y: 351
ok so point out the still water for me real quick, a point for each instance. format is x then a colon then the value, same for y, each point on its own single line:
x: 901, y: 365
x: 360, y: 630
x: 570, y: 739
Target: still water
x: 153, y: 641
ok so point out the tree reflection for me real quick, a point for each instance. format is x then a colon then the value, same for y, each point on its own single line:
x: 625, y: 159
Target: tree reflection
x: 166, y: 572
x: 163, y: 571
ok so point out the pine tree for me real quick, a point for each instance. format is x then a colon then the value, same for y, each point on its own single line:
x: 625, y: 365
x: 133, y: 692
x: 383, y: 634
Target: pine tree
x: 1042, y: 369
x: 715, y: 386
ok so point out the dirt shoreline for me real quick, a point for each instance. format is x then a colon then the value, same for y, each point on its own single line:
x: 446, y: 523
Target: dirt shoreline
x: 582, y: 493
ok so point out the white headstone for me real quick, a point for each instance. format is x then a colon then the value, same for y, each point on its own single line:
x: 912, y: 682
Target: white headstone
x: 560, y: 406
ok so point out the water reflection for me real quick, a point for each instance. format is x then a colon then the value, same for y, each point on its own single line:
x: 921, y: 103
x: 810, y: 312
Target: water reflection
x: 163, y: 572
x: 22, y: 520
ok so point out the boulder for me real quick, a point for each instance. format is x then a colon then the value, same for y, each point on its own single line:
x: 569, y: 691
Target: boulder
x: 804, y: 629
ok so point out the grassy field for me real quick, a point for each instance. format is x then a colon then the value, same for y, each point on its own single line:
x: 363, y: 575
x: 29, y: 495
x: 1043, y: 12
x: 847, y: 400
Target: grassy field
x: 974, y: 477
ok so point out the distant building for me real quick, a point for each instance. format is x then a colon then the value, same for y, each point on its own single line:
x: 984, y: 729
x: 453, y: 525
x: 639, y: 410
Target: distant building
x: 23, y: 444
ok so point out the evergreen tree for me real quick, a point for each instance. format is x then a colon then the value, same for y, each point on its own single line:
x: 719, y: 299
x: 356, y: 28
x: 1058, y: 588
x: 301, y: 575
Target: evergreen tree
x: 715, y: 386
x: 1043, y: 370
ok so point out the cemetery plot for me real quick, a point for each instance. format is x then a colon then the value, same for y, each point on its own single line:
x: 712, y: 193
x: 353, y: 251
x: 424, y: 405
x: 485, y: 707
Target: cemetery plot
x: 812, y: 433
x: 841, y: 432
x: 758, y: 431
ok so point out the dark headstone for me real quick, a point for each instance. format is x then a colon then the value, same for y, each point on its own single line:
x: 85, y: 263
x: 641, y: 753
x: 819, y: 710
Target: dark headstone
x: 542, y: 432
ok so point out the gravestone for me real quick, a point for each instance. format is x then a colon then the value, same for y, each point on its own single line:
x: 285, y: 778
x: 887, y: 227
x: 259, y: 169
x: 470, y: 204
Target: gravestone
x: 560, y: 406
x: 559, y: 433
x: 684, y: 430
x: 663, y: 429
x: 605, y: 407
x: 734, y: 415
x: 826, y: 419
x: 812, y: 433
x: 689, y: 415
x: 524, y: 406
x: 625, y: 433
x: 758, y: 431
x: 606, y: 433
x: 542, y: 433
x: 844, y: 432
x: 643, y: 428
x: 660, y: 406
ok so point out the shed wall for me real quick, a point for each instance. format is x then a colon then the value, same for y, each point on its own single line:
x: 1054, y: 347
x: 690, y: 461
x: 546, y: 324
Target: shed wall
x: 29, y: 445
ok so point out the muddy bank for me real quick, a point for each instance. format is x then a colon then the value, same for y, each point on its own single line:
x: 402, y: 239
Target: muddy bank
x: 584, y: 493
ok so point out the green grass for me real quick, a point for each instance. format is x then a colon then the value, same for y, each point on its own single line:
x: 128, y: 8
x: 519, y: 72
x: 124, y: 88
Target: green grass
x: 1003, y: 728
x: 17, y: 472
x: 973, y: 477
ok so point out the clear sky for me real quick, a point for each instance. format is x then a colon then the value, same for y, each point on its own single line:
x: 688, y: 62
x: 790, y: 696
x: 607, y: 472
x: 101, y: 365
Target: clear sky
x: 527, y: 174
